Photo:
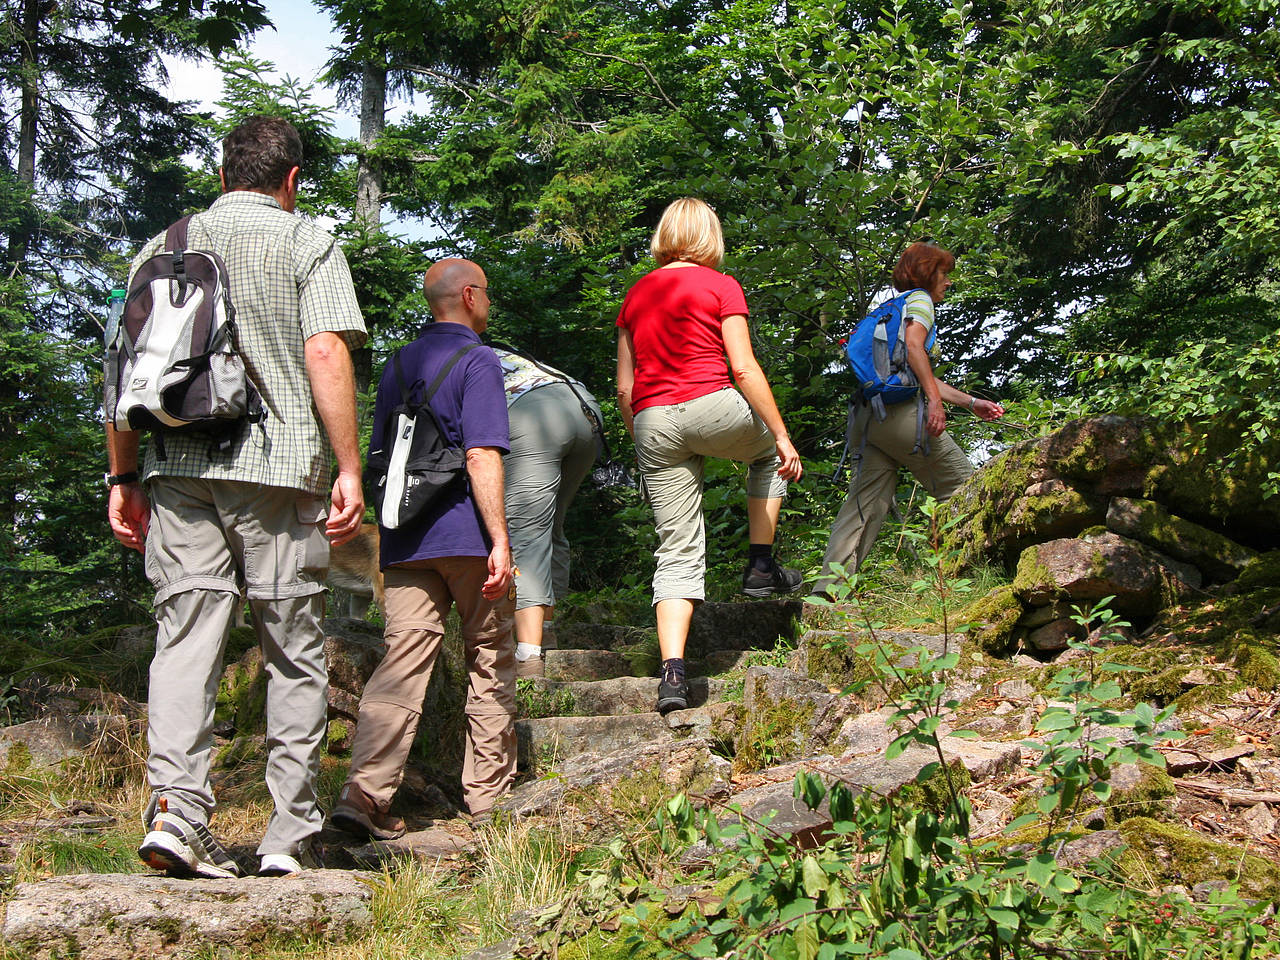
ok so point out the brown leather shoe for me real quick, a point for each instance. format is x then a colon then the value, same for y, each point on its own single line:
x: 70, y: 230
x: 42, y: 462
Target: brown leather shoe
x: 532, y: 667
x: 357, y: 814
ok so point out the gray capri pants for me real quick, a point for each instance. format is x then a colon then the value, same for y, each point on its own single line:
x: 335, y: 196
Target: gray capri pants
x: 553, y: 447
x: 672, y: 444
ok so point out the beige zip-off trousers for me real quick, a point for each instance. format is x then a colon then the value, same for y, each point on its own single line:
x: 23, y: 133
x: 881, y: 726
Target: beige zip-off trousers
x: 418, y: 598
x: 889, y: 446
x: 208, y: 540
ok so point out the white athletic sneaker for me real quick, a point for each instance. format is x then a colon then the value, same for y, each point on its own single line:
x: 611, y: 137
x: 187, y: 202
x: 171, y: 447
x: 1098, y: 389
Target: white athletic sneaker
x: 279, y: 865
x: 308, y: 857
x: 184, y: 849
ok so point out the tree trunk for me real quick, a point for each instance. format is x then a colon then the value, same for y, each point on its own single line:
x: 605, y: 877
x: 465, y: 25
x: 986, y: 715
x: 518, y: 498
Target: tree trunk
x: 30, y: 91
x: 19, y: 237
x: 373, y: 120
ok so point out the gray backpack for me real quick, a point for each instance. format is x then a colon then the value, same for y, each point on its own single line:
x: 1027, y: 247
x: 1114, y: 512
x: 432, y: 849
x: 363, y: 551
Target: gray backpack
x: 174, y: 362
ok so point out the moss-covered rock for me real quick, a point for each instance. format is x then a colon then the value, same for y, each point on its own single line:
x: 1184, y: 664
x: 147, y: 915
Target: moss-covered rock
x: 1140, y: 580
x: 242, y: 694
x: 1217, y: 557
x: 994, y: 620
x: 1060, y: 485
x: 934, y: 792
x: 1159, y: 854
x: 1139, y: 790
x: 1193, y: 482
x: 778, y: 713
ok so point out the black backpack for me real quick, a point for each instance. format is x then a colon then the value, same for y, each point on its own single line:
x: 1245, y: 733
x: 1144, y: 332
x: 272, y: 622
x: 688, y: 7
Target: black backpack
x: 174, y: 363
x: 415, y: 463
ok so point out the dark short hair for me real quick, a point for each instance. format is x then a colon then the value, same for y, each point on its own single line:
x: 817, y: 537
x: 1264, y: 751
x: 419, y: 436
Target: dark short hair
x: 919, y: 264
x: 258, y: 154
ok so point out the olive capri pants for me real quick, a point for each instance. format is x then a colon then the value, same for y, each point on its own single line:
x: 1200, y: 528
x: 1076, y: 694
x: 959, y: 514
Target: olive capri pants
x: 941, y: 471
x: 553, y: 446
x: 672, y: 444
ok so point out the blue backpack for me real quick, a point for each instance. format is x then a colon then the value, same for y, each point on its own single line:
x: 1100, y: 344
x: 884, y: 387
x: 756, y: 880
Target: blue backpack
x: 877, y: 354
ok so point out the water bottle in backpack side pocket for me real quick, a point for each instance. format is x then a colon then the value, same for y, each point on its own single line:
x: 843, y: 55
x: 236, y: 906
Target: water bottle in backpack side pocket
x: 111, y: 359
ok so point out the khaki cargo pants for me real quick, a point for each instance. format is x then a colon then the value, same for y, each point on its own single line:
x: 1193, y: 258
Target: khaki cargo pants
x: 673, y: 442
x: 941, y: 471
x: 418, y: 597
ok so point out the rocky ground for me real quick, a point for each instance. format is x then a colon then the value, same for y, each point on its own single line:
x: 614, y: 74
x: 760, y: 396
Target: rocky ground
x: 773, y: 697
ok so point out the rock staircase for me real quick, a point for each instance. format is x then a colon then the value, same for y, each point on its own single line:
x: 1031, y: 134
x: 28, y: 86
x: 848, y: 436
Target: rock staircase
x: 599, y: 688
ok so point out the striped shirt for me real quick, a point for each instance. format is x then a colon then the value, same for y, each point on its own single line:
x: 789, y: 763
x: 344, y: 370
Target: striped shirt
x: 288, y: 281
x: 919, y: 307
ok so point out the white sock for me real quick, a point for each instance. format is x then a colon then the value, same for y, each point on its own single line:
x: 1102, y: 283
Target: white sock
x: 527, y: 651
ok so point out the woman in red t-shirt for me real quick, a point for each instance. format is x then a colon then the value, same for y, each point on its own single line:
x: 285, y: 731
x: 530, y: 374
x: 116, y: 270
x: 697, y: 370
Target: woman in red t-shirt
x: 675, y: 328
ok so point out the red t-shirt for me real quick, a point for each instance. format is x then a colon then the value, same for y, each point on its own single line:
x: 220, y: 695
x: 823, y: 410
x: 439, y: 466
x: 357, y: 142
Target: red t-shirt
x: 674, y: 317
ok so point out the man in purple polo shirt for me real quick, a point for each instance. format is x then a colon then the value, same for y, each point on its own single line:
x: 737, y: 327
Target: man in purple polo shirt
x: 459, y: 554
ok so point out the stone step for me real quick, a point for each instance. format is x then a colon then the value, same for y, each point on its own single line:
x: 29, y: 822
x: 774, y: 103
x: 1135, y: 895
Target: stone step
x: 590, y: 665
x: 122, y: 916
x: 615, y: 697
x: 737, y: 625
x: 551, y: 739
x: 596, y: 636
x: 745, y: 625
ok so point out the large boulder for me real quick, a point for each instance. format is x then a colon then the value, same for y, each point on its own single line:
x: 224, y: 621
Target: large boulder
x: 1062, y: 485
x: 120, y: 917
x: 1086, y: 570
x: 1218, y: 557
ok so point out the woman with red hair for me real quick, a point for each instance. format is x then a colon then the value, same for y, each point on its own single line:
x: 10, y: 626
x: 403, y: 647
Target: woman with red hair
x: 892, y: 442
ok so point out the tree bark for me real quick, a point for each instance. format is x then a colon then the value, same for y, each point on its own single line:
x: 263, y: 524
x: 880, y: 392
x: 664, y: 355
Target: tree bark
x: 30, y: 91
x: 373, y: 120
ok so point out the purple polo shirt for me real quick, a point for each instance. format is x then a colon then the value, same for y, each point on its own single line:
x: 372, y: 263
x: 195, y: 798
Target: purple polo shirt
x: 471, y: 405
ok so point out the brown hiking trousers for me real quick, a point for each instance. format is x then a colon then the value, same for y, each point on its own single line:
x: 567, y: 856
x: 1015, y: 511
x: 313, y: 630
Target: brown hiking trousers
x: 418, y: 597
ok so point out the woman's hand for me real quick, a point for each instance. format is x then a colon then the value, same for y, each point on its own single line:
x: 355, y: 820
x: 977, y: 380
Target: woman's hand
x: 935, y: 418
x: 790, y: 469
x: 987, y: 409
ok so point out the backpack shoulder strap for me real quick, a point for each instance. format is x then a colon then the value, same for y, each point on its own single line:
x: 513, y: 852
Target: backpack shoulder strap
x: 175, y: 238
x: 445, y: 370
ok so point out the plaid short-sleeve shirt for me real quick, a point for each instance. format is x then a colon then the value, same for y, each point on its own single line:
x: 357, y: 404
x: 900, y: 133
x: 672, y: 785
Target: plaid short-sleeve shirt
x: 289, y: 281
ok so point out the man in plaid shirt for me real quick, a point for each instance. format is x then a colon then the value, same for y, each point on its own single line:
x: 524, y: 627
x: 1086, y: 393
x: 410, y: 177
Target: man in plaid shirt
x: 253, y: 519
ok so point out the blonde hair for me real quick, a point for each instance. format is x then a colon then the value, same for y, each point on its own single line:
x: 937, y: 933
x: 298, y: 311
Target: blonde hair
x: 689, y: 230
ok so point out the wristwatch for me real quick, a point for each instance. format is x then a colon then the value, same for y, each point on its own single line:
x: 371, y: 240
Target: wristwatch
x: 116, y: 479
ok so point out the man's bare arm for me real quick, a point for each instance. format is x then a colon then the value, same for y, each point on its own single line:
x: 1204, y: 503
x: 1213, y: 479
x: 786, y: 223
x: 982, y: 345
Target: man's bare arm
x: 484, y: 469
x: 128, y: 510
x: 333, y: 385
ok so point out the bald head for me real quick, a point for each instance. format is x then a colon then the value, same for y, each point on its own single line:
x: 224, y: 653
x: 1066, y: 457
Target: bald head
x: 446, y: 280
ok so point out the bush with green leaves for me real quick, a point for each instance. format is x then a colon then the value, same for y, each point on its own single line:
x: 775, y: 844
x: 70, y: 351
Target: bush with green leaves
x: 908, y: 881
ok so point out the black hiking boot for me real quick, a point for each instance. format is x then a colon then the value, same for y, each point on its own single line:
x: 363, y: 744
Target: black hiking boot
x: 778, y: 579
x: 673, y: 689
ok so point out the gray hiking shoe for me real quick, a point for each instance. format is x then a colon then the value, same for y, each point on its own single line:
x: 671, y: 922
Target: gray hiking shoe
x: 184, y: 849
x: 778, y: 580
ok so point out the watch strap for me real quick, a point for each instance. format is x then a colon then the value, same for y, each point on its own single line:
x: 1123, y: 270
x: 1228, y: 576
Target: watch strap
x: 116, y: 479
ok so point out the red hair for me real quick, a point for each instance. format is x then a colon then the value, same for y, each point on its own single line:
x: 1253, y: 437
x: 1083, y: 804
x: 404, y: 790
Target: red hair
x: 920, y: 265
